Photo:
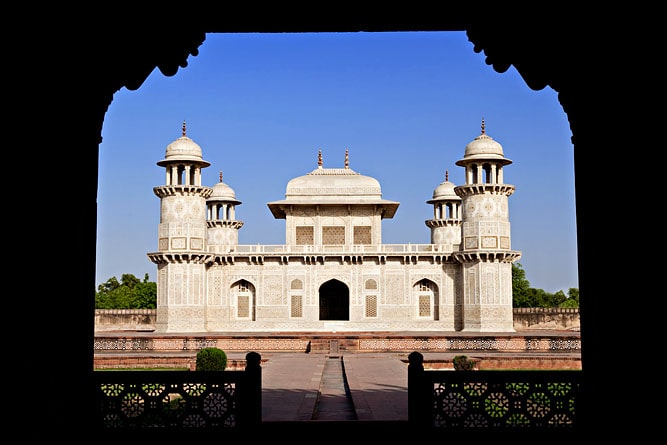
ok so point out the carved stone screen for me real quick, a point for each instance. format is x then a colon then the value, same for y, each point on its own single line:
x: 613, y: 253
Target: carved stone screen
x: 333, y: 235
x: 362, y: 235
x: 296, y: 307
x: 371, y: 306
x: 305, y: 236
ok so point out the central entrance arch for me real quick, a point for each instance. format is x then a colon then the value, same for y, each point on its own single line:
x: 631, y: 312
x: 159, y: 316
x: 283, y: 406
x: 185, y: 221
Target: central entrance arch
x: 334, y: 301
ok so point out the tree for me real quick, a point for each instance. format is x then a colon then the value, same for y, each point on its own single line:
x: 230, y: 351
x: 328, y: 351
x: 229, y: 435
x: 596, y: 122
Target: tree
x: 525, y: 296
x: 130, y: 280
x: 537, y: 298
x: 129, y: 293
x: 573, y: 298
x: 558, y: 298
x: 145, y: 295
x: 520, y: 286
x: 111, y: 284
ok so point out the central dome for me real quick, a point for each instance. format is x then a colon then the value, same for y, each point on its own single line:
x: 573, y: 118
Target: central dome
x: 329, y: 183
x: 333, y: 186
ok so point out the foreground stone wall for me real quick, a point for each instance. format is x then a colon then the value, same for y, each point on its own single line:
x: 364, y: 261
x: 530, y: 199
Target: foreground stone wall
x: 125, y: 320
x: 524, y: 319
x: 515, y: 362
x: 546, y: 318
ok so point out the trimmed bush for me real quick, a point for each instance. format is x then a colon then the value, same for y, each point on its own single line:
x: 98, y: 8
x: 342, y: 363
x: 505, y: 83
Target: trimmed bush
x: 463, y: 363
x: 211, y: 359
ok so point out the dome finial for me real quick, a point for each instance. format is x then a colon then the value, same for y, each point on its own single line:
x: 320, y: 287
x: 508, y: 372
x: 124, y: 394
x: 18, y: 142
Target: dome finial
x: 483, y: 126
x: 347, y: 158
x: 220, y: 175
x: 183, y: 129
x: 446, y: 175
x: 319, y: 158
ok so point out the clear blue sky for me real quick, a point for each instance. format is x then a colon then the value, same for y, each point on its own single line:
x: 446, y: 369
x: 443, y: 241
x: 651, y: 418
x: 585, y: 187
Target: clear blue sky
x: 404, y: 104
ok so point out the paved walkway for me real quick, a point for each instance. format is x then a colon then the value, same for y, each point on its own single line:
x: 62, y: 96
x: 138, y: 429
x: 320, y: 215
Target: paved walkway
x: 291, y: 382
x: 378, y: 385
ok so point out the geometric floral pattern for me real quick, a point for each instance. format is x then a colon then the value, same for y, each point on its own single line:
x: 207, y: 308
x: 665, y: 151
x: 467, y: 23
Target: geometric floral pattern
x: 166, y: 400
x: 526, y: 399
x: 564, y: 344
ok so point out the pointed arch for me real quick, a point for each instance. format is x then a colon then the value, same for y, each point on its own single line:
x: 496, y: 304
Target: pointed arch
x: 371, y: 298
x: 334, y: 301
x: 243, y: 300
x: 427, y: 295
x: 296, y: 298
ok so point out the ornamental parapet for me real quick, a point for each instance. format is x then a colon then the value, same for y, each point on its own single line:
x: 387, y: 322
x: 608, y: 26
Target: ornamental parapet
x: 450, y: 222
x: 224, y: 224
x: 487, y: 256
x: 181, y: 257
x: 479, y: 189
x: 355, y: 254
x: 182, y: 190
x: 279, y: 249
x: 348, y: 254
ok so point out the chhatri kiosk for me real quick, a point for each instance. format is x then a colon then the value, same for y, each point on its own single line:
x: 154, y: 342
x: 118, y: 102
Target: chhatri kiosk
x: 334, y: 273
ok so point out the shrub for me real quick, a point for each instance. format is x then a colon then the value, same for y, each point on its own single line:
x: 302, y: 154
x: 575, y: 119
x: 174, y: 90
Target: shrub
x: 211, y: 359
x: 463, y: 363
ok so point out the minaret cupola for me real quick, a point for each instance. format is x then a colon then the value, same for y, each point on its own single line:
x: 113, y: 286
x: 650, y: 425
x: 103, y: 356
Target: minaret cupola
x: 483, y: 160
x: 183, y: 161
x: 446, y: 222
x: 221, y: 218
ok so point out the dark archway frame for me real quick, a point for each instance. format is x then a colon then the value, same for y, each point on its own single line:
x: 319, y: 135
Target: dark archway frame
x: 334, y: 299
x: 84, y: 63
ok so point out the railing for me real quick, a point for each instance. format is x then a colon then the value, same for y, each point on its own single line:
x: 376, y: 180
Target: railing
x: 180, y: 400
x: 343, y: 248
x: 438, y: 400
x: 449, y: 400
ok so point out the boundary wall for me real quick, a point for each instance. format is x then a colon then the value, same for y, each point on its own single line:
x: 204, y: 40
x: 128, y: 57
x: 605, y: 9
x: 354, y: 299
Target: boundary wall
x: 524, y: 319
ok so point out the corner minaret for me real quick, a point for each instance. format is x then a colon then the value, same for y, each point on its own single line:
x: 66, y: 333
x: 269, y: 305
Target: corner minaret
x: 446, y: 223
x: 223, y: 228
x: 182, y: 232
x: 485, y: 253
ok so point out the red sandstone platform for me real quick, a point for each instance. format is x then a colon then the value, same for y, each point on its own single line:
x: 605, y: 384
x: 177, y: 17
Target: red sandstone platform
x: 375, y: 363
x: 535, y: 349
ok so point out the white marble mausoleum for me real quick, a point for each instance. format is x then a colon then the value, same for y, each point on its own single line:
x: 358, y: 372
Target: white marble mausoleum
x: 334, y: 273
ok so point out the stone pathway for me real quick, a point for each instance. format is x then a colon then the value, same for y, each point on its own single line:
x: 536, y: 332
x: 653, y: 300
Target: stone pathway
x: 334, y: 401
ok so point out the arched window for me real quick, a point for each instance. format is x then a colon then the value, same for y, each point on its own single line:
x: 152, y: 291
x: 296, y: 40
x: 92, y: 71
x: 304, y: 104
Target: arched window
x: 296, y: 299
x: 370, y: 299
x: 425, y: 293
x: 244, y: 293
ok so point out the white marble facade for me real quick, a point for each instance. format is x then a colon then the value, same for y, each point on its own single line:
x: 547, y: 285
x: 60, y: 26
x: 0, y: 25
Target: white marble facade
x: 334, y: 273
